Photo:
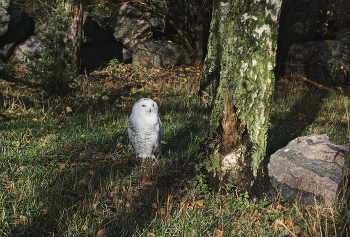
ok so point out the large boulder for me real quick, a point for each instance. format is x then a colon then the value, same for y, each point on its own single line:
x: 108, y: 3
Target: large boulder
x: 4, y: 20
x: 99, y: 46
x: 4, y: 3
x: 21, y: 26
x: 34, y: 45
x: 159, y: 54
x: 130, y: 26
x: 321, y: 61
x: 309, y: 169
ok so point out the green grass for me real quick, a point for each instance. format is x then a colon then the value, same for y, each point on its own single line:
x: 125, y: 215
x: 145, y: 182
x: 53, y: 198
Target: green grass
x: 66, y: 167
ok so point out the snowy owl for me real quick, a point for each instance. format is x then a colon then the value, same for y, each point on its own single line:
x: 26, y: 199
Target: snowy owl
x: 145, y: 128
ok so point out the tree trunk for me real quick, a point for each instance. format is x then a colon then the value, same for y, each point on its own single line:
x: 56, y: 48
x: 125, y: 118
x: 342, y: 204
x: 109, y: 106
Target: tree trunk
x: 74, y: 32
x: 240, y: 61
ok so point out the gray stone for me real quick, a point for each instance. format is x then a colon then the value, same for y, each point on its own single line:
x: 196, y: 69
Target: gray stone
x: 34, y: 45
x: 309, y: 169
x: 129, y: 26
x: 19, y: 30
x: 4, y: 21
x: 321, y: 61
x: 4, y: 3
x: 159, y: 54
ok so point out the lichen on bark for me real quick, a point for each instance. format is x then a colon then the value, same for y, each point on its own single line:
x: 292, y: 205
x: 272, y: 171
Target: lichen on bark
x: 245, y: 86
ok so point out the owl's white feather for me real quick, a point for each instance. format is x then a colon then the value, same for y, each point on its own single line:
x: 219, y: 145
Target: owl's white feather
x: 145, y: 128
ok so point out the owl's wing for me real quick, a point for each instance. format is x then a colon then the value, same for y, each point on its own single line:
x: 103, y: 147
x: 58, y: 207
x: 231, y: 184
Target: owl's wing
x: 131, y: 132
x: 159, y: 130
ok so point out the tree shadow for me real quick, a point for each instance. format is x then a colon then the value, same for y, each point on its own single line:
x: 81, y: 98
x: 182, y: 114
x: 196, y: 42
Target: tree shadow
x: 295, y: 108
x: 99, y: 186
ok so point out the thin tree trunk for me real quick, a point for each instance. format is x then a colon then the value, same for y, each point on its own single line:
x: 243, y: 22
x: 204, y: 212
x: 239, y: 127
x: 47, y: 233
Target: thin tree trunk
x: 75, y: 9
x: 241, y: 58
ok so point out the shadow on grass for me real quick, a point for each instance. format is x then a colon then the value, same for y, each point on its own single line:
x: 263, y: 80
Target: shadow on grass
x: 295, y: 108
x: 90, y: 182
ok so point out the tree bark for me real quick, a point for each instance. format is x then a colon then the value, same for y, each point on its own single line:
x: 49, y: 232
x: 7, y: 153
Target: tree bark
x: 74, y: 32
x: 238, y: 71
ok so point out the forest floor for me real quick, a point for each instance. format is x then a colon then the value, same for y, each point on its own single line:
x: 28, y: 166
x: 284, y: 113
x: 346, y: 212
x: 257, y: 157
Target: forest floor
x: 66, y: 166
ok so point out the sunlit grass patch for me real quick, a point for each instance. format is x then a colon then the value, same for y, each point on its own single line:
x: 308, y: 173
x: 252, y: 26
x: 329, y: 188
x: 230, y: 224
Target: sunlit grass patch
x: 67, y: 168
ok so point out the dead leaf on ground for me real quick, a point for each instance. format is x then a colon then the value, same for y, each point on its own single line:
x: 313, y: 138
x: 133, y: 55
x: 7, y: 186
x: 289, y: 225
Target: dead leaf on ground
x: 218, y: 232
x: 345, y: 118
x: 147, y: 180
x: 127, y: 205
x: 102, y: 233
x: 237, y: 226
x: 9, y: 185
x: 297, y: 230
x: 161, y: 211
x: 69, y: 109
x: 289, y: 224
x: 200, y: 203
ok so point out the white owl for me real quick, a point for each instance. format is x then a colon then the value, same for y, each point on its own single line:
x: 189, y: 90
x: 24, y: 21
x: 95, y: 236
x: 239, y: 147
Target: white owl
x: 145, y: 128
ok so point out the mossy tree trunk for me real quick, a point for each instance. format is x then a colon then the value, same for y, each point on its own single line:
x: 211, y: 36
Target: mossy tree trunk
x: 239, y: 72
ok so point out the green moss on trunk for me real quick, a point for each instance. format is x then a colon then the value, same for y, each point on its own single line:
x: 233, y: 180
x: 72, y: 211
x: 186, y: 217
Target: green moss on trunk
x: 246, y: 85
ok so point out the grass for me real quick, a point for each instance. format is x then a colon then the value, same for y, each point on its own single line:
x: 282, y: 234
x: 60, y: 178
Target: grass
x: 66, y: 166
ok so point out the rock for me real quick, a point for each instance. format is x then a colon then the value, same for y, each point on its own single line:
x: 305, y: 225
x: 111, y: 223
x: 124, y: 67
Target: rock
x: 94, y: 32
x: 159, y: 54
x: 16, y: 34
x: 309, y: 168
x: 5, y: 3
x: 129, y: 26
x: 4, y: 21
x: 321, y: 61
x: 34, y: 45
x: 99, y: 46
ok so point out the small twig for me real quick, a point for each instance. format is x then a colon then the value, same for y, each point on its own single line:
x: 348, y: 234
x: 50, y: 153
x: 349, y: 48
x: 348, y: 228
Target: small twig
x: 317, y: 84
x: 340, y: 92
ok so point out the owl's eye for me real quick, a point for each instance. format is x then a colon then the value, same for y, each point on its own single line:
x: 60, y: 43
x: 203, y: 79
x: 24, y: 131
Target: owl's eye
x: 143, y: 105
x: 153, y: 105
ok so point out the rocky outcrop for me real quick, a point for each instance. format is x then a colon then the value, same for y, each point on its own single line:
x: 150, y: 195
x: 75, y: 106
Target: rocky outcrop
x: 34, y: 45
x: 309, y: 169
x: 21, y: 26
x: 321, y: 61
x: 4, y: 21
x: 319, y: 25
x: 129, y: 26
x: 99, y: 46
x: 158, y: 53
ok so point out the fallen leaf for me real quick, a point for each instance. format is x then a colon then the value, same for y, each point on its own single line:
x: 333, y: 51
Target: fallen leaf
x: 9, y: 185
x: 161, y: 211
x: 297, y: 230
x: 345, y: 118
x: 127, y: 205
x: 237, y: 226
x: 278, y: 225
x: 102, y: 233
x: 186, y: 205
x: 218, y: 232
x: 289, y: 223
x: 200, y: 203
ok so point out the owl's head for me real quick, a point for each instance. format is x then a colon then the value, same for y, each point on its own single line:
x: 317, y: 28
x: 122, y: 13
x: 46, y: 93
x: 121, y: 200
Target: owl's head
x: 145, y: 106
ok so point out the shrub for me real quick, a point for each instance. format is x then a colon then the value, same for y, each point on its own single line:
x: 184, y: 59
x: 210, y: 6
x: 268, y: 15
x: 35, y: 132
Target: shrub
x: 56, y: 69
